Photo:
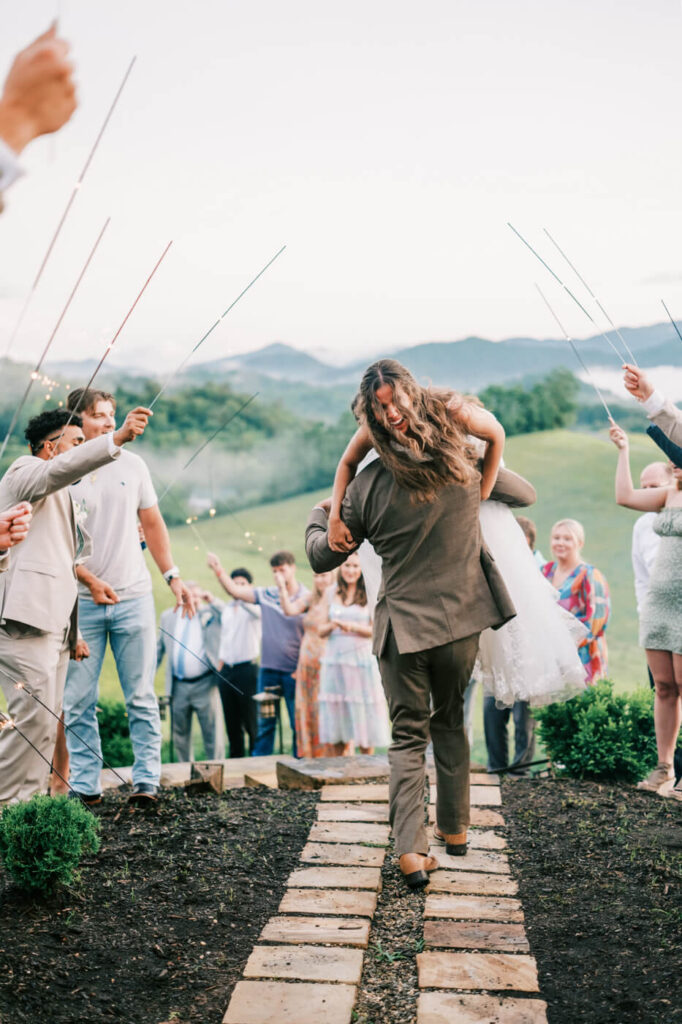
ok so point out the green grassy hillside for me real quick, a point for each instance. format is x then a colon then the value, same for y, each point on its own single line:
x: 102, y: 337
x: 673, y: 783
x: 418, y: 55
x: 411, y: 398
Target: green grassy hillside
x: 573, y: 474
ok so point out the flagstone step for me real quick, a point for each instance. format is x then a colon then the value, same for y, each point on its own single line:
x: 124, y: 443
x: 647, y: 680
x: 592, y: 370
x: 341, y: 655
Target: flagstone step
x: 349, y: 832
x: 475, y: 935
x: 490, y: 971
x: 483, y: 779
x: 265, y: 779
x: 306, y: 963
x: 472, y: 882
x: 315, y: 772
x: 472, y: 908
x: 485, y: 839
x: 473, y: 860
x: 352, y: 812
x: 335, y: 931
x: 453, y: 1008
x: 336, y: 878
x: 344, y: 853
x: 329, y: 901
x: 262, y: 1002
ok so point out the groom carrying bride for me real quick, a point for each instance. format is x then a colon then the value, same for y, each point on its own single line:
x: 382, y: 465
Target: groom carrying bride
x: 440, y: 589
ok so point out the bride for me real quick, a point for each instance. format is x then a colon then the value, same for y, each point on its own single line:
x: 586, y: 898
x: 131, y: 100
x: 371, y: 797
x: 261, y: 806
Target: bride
x: 533, y: 657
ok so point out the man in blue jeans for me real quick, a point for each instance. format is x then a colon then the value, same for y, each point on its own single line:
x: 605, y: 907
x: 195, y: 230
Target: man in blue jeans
x: 281, y: 640
x: 116, y: 604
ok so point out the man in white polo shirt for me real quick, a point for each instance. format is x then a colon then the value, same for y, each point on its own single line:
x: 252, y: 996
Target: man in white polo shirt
x: 116, y: 605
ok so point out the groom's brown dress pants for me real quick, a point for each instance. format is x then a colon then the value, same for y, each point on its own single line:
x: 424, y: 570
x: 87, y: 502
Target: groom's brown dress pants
x: 412, y: 684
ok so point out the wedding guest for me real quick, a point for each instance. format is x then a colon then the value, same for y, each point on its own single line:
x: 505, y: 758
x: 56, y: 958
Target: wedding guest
x: 583, y: 591
x: 531, y: 534
x: 352, y: 703
x: 313, y: 609
x: 645, y: 540
x: 117, y: 607
x: 281, y: 639
x: 240, y: 643
x: 659, y: 409
x: 192, y: 663
x: 660, y: 620
x: 38, y: 593
x: 38, y: 98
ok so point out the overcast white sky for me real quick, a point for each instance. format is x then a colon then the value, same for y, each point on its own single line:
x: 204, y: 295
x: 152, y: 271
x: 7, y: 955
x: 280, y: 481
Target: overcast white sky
x: 385, y: 142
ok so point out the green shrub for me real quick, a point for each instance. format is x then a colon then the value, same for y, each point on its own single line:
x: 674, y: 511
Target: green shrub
x: 42, y: 841
x: 601, y: 736
x: 114, y: 732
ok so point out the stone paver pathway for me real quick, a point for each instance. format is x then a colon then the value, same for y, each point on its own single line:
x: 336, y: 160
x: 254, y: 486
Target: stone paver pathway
x: 476, y: 965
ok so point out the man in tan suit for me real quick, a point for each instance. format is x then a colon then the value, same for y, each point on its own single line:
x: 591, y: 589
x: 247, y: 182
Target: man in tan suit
x: 440, y: 588
x: 38, y: 607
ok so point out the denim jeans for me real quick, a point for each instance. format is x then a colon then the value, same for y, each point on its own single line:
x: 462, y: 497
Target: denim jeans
x: 265, y: 741
x: 130, y: 627
x: 495, y: 721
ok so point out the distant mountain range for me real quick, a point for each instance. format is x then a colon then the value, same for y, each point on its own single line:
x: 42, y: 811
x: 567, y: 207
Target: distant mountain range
x: 317, y: 390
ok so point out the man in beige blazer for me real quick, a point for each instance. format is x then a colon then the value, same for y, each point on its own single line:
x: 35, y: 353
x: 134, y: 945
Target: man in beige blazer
x: 38, y: 607
x: 658, y: 408
x: 440, y: 588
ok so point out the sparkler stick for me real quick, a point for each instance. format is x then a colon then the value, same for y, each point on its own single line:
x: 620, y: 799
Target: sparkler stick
x: 208, y: 441
x: 113, y: 340
x: 8, y: 723
x: 671, y: 320
x: 65, y: 214
x: 213, y: 327
x: 43, y: 355
x: 67, y: 728
x: 587, y: 287
x: 577, y: 354
x: 568, y: 292
x: 202, y: 660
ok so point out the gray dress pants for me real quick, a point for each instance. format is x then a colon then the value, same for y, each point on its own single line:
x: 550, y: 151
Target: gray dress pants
x: 201, y: 697
x: 412, y: 683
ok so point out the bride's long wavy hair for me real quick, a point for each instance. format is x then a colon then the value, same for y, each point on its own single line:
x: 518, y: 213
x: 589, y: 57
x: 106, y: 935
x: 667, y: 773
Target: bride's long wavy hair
x: 435, y: 450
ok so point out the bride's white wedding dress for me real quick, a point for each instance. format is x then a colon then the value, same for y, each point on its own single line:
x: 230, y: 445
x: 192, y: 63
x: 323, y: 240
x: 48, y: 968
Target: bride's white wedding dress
x: 534, y: 657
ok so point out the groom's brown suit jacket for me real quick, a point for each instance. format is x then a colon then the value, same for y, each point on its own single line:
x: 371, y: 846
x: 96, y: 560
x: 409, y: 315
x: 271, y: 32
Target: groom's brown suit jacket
x: 439, y: 581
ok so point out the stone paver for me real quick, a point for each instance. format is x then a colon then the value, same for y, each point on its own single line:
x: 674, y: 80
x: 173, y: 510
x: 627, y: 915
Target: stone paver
x: 490, y: 971
x: 452, y: 1008
x: 336, y: 931
x: 474, y: 860
x: 315, y: 772
x: 329, y: 901
x: 352, y: 812
x: 373, y: 792
x: 472, y: 908
x: 343, y: 853
x: 349, y: 832
x: 479, y: 796
x: 483, y: 779
x: 256, y: 779
x: 472, y: 882
x: 485, y: 839
x: 306, y: 963
x: 510, y: 938
x: 335, y: 878
x: 483, y: 816
x: 262, y: 1002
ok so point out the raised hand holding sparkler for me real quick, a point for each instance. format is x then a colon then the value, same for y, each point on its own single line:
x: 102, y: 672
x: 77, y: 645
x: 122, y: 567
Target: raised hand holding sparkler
x: 14, y: 525
x: 637, y: 382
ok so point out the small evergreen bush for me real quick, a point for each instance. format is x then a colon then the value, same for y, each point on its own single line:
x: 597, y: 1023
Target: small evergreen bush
x: 42, y: 841
x: 599, y: 735
x: 114, y: 733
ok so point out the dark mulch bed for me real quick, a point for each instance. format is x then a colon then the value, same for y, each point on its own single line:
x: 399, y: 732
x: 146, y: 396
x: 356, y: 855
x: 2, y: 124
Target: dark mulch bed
x: 600, y: 877
x: 165, y: 916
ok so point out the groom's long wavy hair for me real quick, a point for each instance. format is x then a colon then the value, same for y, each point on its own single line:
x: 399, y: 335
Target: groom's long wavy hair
x: 435, y: 450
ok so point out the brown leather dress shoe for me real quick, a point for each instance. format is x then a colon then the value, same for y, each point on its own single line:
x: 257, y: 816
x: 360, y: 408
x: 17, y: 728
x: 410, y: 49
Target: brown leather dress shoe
x: 415, y: 868
x: 455, y: 842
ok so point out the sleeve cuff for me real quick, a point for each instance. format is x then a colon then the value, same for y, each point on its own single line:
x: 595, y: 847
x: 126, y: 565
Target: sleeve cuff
x: 653, y: 404
x: 114, y: 449
x: 10, y: 168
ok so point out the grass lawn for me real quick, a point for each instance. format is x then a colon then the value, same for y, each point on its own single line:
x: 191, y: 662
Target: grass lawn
x: 573, y: 474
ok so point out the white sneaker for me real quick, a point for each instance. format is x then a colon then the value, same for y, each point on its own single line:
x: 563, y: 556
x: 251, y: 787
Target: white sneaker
x: 661, y: 780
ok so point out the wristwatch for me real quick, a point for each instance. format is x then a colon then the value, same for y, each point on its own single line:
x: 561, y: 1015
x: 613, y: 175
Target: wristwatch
x: 171, y: 574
